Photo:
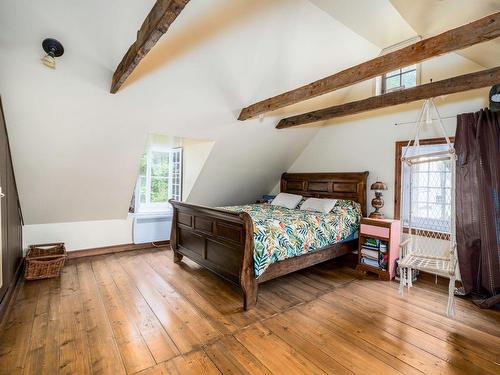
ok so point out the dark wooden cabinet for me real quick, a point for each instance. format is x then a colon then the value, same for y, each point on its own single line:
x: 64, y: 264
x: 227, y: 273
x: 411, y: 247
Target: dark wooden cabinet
x: 11, y: 218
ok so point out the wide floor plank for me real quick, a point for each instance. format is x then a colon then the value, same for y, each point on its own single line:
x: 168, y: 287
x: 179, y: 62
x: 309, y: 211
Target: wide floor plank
x: 16, y: 335
x: 157, y: 339
x: 231, y: 357
x: 135, y: 353
x: 274, y: 353
x: 104, y: 353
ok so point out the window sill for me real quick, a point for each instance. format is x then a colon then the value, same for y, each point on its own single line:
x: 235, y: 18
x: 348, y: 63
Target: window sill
x: 151, y: 214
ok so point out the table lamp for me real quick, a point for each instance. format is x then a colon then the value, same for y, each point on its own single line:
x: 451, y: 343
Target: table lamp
x: 377, y: 202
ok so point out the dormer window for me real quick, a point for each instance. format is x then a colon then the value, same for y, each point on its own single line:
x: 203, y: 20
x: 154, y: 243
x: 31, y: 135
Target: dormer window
x: 399, y: 79
x: 160, y: 179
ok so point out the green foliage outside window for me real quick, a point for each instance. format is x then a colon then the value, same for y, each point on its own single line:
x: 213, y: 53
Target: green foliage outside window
x: 159, y: 190
x: 159, y: 177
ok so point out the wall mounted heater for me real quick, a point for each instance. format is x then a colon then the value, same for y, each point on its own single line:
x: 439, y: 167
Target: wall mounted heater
x: 151, y: 228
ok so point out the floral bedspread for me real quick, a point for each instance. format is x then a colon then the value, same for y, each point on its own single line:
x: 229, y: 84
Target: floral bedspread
x: 281, y: 233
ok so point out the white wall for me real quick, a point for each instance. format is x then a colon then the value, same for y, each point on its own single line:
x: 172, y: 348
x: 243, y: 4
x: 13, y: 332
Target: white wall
x: 366, y: 142
x: 80, y: 235
x: 194, y: 154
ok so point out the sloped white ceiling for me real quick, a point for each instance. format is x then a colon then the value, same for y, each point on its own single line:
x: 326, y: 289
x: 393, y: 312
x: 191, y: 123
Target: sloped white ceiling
x: 76, y: 147
x: 375, y: 20
x: 431, y: 17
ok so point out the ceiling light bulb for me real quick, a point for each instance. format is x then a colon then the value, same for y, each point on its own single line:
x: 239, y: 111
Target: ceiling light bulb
x: 49, y: 61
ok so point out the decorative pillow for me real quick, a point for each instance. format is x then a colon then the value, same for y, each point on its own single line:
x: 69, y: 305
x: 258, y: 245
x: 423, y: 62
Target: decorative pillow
x: 286, y: 200
x: 319, y: 205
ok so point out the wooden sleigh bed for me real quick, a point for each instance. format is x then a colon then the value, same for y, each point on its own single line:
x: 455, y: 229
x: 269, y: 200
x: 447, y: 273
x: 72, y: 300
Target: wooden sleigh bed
x: 222, y: 241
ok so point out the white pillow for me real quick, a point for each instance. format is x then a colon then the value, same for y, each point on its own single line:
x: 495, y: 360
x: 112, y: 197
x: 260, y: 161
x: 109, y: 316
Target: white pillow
x: 319, y: 205
x: 286, y: 200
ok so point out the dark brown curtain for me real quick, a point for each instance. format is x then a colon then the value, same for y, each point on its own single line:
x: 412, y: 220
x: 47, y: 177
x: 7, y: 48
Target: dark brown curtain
x: 477, y: 143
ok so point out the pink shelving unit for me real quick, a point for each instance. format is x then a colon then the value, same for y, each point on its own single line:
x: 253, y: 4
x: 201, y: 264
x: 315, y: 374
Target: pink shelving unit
x: 388, y: 231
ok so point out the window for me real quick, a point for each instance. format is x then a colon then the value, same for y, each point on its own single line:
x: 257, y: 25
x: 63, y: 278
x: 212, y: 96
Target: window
x: 399, y: 79
x: 432, y: 202
x: 160, y: 179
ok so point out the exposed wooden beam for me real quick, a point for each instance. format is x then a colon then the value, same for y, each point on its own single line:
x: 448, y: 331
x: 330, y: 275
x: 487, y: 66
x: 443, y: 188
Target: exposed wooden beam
x: 486, y: 28
x: 465, y: 82
x: 158, y: 21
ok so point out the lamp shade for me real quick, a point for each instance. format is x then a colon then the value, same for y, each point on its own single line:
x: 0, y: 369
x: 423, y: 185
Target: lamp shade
x: 378, y: 186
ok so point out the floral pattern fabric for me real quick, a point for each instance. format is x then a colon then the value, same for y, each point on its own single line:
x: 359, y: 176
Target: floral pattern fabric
x: 281, y: 233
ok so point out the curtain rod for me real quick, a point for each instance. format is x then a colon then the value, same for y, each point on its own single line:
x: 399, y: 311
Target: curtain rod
x: 414, y: 122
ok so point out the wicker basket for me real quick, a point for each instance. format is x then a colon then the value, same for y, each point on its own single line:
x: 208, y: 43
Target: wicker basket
x: 44, y: 261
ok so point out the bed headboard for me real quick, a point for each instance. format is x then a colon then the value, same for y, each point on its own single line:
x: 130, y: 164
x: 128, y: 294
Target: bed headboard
x: 327, y: 185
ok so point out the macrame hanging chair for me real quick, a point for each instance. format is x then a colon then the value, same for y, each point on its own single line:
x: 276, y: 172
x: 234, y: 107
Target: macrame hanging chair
x: 428, y: 209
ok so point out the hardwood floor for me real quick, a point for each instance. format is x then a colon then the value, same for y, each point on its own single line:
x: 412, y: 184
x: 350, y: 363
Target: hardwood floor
x: 139, y: 313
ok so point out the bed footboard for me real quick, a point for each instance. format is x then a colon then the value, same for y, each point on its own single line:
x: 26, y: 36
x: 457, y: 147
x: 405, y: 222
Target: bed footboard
x: 219, y: 240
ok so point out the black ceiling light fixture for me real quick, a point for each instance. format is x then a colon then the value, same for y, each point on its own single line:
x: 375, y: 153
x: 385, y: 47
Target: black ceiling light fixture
x: 495, y: 98
x: 54, y: 49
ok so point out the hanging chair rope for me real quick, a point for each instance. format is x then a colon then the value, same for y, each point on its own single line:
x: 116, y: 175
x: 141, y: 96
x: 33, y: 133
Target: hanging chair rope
x: 428, y: 250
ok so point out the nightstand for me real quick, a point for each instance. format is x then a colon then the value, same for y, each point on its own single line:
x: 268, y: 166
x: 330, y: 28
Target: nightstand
x: 379, y: 247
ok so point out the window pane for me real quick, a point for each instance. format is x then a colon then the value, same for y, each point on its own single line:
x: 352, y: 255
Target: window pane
x: 422, y: 195
x: 142, y: 189
x: 159, y: 189
x: 421, y: 210
x: 436, y: 196
x: 159, y: 180
x: 143, y: 165
x: 437, y: 167
x: 422, y: 168
x: 392, y: 82
x: 159, y: 164
x: 430, y: 192
x: 421, y: 179
x: 409, y: 79
x: 434, y: 179
x: 434, y: 211
x: 447, y: 211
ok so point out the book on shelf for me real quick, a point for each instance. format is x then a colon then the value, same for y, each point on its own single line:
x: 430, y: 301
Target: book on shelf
x: 375, y: 244
x: 370, y: 262
x: 381, y: 262
x: 374, y: 253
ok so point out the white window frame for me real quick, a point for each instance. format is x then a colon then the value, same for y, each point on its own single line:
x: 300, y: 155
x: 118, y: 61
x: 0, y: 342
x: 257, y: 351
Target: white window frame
x: 378, y: 86
x: 174, y: 186
x: 400, y: 74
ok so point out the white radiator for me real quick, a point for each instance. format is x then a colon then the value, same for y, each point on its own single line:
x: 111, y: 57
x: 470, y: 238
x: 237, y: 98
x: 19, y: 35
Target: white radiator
x: 151, y: 228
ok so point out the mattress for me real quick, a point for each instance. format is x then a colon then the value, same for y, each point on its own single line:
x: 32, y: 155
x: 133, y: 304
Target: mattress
x: 281, y: 233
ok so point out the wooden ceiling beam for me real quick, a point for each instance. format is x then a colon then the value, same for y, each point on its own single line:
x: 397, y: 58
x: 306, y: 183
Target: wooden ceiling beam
x: 465, y: 82
x: 157, y: 23
x: 486, y: 28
